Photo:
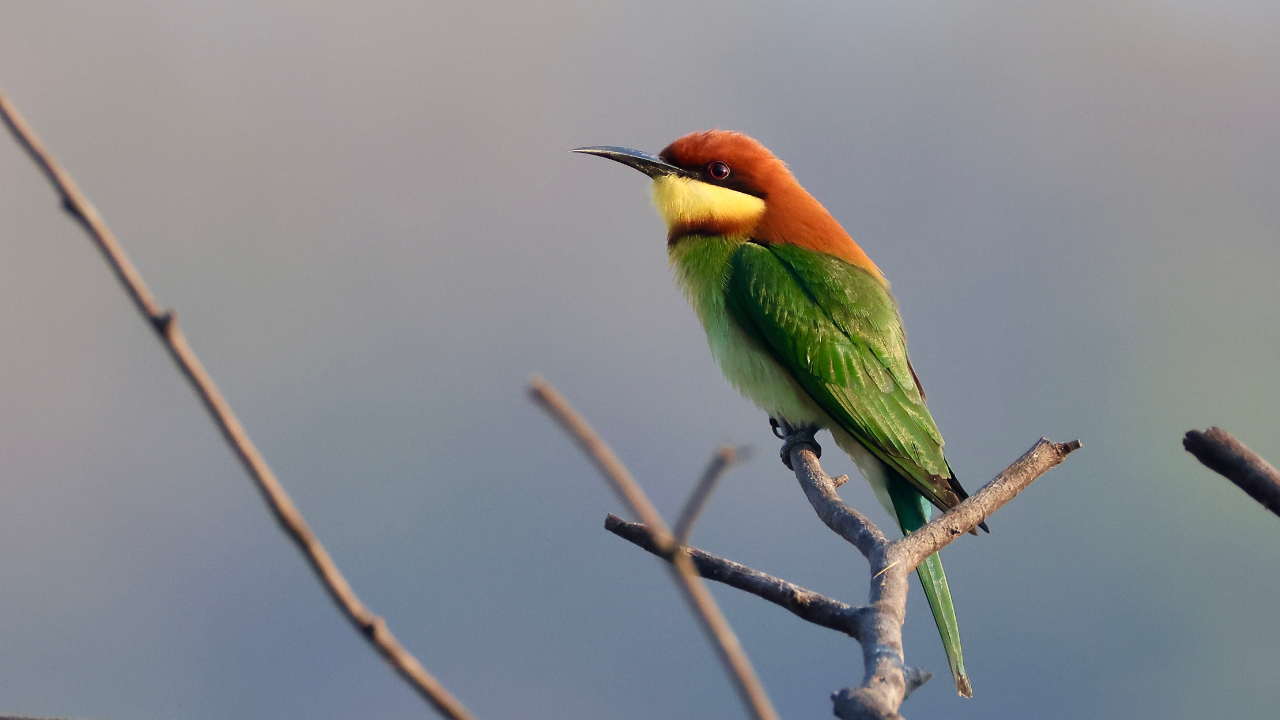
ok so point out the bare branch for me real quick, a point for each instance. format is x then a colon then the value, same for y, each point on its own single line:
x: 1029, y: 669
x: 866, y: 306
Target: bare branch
x: 720, y: 463
x: 804, y: 604
x: 942, y: 530
x: 165, y: 323
x: 686, y: 576
x: 601, y: 455
x: 887, y: 680
x: 846, y: 522
x: 915, y: 678
x: 1227, y: 456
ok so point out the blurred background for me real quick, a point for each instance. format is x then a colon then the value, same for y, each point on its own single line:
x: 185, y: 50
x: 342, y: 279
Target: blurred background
x: 369, y: 220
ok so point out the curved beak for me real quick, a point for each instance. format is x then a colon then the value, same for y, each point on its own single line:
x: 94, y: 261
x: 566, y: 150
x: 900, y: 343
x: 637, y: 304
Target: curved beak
x: 650, y: 165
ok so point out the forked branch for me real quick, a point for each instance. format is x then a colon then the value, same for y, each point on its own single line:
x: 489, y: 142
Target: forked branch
x: 887, y: 680
x: 877, y: 626
x: 686, y: 576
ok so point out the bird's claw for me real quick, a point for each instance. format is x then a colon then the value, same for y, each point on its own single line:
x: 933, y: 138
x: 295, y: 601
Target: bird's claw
x: 793, y: 436
x: 776, y: 427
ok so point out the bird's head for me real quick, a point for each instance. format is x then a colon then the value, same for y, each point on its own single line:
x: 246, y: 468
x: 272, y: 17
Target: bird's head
x: 706, y: 183
x: 720, y: 182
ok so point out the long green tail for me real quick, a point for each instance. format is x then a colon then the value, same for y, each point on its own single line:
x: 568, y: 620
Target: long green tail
x: 913, y: 512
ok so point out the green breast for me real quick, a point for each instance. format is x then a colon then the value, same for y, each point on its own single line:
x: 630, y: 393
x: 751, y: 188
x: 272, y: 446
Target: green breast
x: 701, y: 265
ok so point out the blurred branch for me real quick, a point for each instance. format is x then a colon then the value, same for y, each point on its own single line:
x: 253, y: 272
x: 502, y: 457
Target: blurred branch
x: 165, y: 323
x: 683, y: 571
x: 720, y: 463
x: 1227, y: 456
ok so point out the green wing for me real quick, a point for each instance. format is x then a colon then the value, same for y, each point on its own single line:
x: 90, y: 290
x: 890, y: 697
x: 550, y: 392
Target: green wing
x: 836, y: 329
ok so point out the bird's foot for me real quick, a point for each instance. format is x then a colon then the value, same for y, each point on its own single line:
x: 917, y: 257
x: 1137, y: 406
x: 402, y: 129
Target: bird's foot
x: 793, y: 436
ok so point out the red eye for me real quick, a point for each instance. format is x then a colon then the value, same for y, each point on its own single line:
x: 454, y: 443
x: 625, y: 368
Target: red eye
x: 718, y: 170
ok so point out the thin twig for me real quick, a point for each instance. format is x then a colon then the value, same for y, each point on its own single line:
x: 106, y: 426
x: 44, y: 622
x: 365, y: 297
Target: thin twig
x: 695, y: 591
x: 720, y: 463
x: 165, y: 323
x: 601, y: 455
x: 804, y: 604
x: 1227, y: 456
x: 944, y: 529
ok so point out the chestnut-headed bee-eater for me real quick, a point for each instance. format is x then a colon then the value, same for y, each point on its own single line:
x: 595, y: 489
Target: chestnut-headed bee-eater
x: 803, y: 324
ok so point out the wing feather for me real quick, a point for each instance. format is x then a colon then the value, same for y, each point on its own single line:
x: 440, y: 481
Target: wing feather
x: 836, y: 330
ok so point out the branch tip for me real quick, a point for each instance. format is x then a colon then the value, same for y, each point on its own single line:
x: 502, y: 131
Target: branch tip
x: 720, y: 463
x: 915, y: 678
x: 1222, y: 453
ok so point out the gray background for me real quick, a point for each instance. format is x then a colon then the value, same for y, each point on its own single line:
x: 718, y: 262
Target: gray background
x: 368, y: 219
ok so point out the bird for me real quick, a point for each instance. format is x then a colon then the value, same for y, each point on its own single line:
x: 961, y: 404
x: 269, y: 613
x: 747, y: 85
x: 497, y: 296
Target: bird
x: 803, y: 324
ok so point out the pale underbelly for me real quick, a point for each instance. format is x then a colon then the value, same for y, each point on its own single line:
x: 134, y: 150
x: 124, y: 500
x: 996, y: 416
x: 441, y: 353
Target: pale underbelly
x: 760, y: 379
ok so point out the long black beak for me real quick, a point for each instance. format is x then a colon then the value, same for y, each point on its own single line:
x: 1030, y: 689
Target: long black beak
x: 650, y: 165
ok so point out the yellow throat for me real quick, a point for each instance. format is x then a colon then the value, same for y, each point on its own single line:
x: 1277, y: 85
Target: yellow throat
x: 685, y: 202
